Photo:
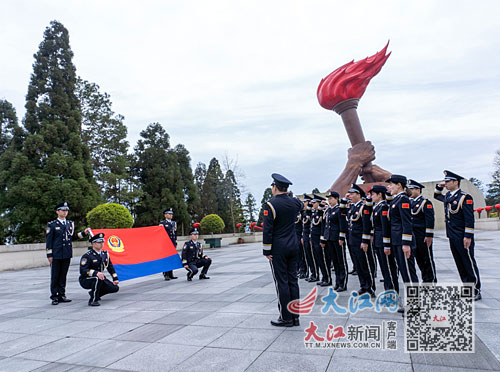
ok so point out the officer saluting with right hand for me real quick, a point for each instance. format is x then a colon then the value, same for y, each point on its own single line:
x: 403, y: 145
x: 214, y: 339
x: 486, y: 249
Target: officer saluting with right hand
x: 281, y: 247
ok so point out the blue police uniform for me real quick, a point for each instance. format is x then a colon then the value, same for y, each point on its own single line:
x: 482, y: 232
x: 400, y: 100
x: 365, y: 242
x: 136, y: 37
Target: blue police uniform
x: 358, y: 231
x: 280, y: 242
x: 381, y: 240
x: 171, y: 229
x: 306, y: 236
x: 402, y: 232
x: 193, y: 257
x: 334, y: 223
x: 422, y: 212
x: 302, y: 266
x: 459, y: 214
x: 91, y: 263
x: 59, y: 247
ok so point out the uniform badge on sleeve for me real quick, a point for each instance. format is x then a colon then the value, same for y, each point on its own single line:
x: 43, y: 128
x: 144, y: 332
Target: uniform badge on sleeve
x: 266, y: 213
x: 429, y: 206
x: 84, y: 261
x: 469, y: 201
x: 405, y: 205
x: 48, y: 230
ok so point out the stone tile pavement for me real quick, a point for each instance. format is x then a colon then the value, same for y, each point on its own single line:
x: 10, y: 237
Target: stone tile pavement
x: 221, y: 324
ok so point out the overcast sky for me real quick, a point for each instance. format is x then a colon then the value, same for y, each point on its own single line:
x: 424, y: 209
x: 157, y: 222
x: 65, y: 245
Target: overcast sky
x: 241, y: 77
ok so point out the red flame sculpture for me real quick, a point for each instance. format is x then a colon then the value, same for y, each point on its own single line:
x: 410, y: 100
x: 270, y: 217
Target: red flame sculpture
x: 196, y: 225
x: 350, y: 80
x: 497, y: 207
x: 238, y: 225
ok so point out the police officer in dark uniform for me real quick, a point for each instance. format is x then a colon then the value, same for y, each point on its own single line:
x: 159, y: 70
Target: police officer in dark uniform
x: 280, y: 247
x: 59, y: 249
x: 333, y: 240
x: 382, y: 238
x: 316, y: 221
x: 193, y: 257
x: 358, y: 228
x: 92, y: 267
x: 306, y: 240
x: 171, y: 229
x: 422, y: 212
x: 459, y: 213
x: 302, y: 274
x: 402, y: 243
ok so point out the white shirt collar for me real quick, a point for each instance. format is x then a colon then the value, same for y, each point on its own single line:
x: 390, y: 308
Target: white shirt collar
x: 61, y: 221
x: 453, y: 192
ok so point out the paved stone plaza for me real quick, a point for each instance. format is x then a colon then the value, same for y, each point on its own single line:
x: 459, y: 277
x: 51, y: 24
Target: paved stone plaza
x: 221, y: 324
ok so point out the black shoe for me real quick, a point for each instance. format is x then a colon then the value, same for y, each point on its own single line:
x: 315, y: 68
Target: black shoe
x: 381, y: 280
x: 341, y: 289
x: 282, y: 323
x: 372, y: 294
x: 477, y: 297
x: 203, y: 276
x: 401, y: 309
x: 172, y: 276
x: 94, y: 303
x: 302, y: 276
x: 362, y: 291
x: 354, y: 272
x: 189, y: 277
x: 336, y: 287
x: 64, y: 299
x: 325, y: 284
x: 296, y: 322
x: 166, y: 277
x: 55, y: 302
x: 313, y: 279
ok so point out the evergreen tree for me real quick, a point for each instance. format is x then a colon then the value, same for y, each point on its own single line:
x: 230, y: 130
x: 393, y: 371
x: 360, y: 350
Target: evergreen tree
x: 53, y: 165
x: 163, y: 184
x: 212, y: 195
x: 250, y: 207
x: 268, y: 195
x: 493, y: 193
x: 232, y: 206
x: 105, y: 134
x: 199, y: 178
x: 478, y: 183
x: 9, y: 127
x: 315, y: 191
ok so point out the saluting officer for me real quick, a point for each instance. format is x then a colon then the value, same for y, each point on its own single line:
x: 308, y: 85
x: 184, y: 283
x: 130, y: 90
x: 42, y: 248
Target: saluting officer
x: 316, y: 221
x: 302, y: 266
x: 306, y: 240
x: 358, y: 228
x: 402, y: 244
x: 171, y: 229
x: 459, y: 212
x: 382, y: 238
x: 333, y: 240
x: 59, y: 249
x: 193, y: 257
x: 422, y: 212
x: 280, y: 247
x: 92, y: 266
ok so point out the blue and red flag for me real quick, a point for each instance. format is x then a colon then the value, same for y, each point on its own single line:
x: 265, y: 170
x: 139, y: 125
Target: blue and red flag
x: 140, y: 251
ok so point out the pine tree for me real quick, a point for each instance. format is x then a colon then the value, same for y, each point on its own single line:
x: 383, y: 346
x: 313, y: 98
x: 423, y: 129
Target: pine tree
x: 9, y: 127
x: 268, y: 195
x: 493, y: 193
x: 105, y: 135
x: 212, y: 194
x: 250, y: 207
x: 199, y: 178
x: 54, y: 164
x: 232, y: 206
x: 315, y: 191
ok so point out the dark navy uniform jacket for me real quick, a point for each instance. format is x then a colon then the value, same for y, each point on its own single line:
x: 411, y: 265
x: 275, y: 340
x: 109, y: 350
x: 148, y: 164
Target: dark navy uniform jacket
x: 191, y: 251
x: 279, y: 235
x: 298, y: 226
x: 59, y: 239
x: 422, y: 212
x: 316, y: 219
x: 171, y: 228
x: 381, y: 226
x: 333, y: 224
x: 92, y: 262
x: 306, y: 224
x: 459, y: 213
x: 401, y: 222
x: 358, y: 224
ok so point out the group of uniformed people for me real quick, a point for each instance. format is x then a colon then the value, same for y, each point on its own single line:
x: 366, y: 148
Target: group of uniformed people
x: 59, y: 249
x: 391, y: 225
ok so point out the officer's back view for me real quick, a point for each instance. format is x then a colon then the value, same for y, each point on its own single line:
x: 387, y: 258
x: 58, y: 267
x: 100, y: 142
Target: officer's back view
x: 281, y: 247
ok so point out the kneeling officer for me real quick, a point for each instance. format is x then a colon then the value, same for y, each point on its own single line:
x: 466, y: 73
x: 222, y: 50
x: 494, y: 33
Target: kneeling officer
x: 193, y: 257
x: 92, y: 266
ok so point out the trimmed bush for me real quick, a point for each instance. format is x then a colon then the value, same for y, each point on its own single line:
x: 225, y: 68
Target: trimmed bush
x: 212, y: 224
x: 110, y: 216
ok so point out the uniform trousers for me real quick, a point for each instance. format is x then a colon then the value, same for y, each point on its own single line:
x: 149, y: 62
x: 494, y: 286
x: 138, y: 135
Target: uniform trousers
x: 364, y: 263
x: 58, y: 272
x: 406, y: 266
x: 466, y: 263
x: 317, y: 254
x: 389, y: 269
x: 311, y: 262
x: 302, y: 266
x: 424, y: 256
x: 339, y: 260
x: 98, y: 288
x: 200, y: 262
x: 284, y: 270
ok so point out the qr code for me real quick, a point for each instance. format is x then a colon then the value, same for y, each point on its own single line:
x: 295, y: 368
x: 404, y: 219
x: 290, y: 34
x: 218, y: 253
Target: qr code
x: 439, y: 318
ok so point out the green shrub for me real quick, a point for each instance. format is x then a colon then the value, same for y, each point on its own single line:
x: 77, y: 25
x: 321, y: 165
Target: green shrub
x: 110, y: 216
x: 212, y: 224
